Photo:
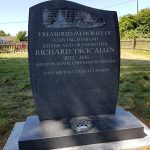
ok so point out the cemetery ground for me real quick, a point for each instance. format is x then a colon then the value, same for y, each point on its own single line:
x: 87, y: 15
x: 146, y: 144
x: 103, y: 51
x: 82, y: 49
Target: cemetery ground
x: 16, y: 101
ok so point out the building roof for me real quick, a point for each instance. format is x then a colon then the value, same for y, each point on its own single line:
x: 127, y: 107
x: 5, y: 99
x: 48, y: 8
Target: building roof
x: 8, y: 38
x: 2, y: 41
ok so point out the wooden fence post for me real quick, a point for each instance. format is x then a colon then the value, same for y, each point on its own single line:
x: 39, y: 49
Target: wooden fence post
x: 134, y: 43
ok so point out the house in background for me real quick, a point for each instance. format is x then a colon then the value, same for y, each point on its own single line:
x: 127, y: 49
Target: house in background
x: 7, y: 39
x: 2, y: 41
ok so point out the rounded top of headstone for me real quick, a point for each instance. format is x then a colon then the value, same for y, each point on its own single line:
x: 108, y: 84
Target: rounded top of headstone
x: 65, y: 4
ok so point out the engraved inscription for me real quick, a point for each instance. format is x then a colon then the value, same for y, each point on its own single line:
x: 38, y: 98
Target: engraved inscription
x: 78, y: 71
x: 65, y: 18
x: 75, y: 50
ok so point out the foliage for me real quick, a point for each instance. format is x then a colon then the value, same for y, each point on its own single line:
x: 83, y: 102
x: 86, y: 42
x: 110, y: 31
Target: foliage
x: 21, y: 36
x: 137, y: 26
x: 143, y: 21
x: 2, y: 33
x: 127, y: 23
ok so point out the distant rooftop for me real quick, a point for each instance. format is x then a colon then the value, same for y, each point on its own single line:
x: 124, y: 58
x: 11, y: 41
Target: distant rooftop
x: 7, y: 39
x: 2, y: 41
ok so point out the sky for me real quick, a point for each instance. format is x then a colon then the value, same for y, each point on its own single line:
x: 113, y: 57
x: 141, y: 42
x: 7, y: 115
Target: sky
x: 14, y: 13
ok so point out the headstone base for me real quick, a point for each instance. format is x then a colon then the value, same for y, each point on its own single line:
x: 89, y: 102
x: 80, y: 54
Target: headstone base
x: 51, y: 134
x: 47, y: 135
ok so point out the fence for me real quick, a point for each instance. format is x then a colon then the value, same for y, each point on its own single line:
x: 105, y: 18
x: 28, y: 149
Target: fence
x: 136, y: 44
x: 125, y: 44
x: 14, y: 47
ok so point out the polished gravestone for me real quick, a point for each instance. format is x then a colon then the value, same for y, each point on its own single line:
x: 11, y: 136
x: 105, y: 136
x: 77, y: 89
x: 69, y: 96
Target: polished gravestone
x: 74, y: 61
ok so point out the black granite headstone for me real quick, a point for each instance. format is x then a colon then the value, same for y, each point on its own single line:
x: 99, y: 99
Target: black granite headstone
x: 74, y: 59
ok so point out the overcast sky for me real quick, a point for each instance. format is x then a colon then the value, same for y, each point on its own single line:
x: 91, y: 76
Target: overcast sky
x: 14, y: 13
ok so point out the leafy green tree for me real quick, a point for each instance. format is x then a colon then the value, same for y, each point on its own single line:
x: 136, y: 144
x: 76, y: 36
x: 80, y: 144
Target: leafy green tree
x: 127, y: 23
x: 135, y: 25
x: 2, y: 33
x: 144, y: 21
x: 21, y: 36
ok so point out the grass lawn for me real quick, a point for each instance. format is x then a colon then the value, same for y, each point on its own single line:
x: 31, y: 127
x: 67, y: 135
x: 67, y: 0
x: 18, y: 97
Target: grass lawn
x: 134, y: 93
x: 16, y: 101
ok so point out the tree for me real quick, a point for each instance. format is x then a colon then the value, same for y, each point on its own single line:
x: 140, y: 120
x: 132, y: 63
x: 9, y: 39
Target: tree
x: 2, y: 33
x: 135, y: 25
x: 22, y: 36
x: 144, y: 21
x: 127, y: 23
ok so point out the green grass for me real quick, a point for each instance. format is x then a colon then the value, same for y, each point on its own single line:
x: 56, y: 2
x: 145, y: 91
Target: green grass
x: 16, y: 101
x: 134, y: 93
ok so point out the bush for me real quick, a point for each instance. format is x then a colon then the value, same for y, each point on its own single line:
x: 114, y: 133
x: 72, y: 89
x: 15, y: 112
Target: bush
x: 135, y: 26
x: 21, y: 36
